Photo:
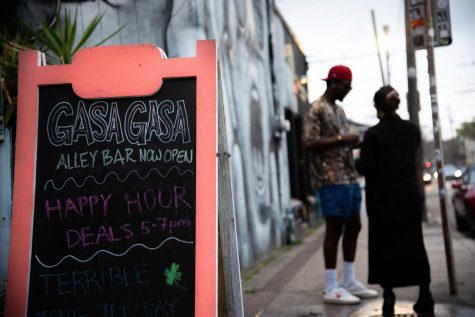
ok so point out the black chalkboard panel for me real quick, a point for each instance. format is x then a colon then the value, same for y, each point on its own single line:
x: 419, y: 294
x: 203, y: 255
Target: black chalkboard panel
x: 114, y: 219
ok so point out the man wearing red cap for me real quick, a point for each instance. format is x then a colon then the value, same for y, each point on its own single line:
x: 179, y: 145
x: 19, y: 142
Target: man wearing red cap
x: 332, y: 173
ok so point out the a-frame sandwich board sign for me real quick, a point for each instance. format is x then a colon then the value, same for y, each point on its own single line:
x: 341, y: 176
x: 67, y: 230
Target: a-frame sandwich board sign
x: 114, y: 207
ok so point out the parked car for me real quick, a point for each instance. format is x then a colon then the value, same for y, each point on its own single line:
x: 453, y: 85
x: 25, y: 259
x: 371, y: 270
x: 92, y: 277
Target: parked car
x: 463, y: 200
x: 451, y: 171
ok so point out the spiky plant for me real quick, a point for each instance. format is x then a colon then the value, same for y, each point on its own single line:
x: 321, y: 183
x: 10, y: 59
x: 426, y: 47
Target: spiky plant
x: 60, y: 42
x: 10, y: 46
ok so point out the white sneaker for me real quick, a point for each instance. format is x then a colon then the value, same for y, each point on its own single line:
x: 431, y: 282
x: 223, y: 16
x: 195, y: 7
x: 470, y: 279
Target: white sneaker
x: 358, y: 289
x: 340, y: 296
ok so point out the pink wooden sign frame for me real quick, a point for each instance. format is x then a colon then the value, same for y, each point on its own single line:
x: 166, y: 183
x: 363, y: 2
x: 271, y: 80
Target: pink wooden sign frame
x: 111, y: 72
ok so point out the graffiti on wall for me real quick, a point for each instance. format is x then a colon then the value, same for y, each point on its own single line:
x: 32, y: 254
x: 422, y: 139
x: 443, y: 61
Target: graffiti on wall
x: 253, y: 98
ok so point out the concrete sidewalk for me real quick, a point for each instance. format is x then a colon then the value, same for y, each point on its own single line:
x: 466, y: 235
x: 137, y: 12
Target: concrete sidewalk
x: 291, y: 284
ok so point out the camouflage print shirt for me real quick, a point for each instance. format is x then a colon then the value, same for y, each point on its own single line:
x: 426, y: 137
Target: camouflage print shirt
x: 335, y: 165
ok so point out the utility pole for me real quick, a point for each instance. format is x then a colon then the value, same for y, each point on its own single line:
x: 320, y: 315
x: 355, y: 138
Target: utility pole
x: 386, y: 36
x: 429, y: 40
x: 377, y: 45
x: 413, y: 105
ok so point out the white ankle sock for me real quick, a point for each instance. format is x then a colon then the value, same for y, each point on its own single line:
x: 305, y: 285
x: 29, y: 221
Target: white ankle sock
x: 330, y: 280
x: 348, y: 273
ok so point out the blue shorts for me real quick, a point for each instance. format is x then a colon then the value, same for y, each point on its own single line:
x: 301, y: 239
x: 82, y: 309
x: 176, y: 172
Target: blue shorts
x: 340, y: 200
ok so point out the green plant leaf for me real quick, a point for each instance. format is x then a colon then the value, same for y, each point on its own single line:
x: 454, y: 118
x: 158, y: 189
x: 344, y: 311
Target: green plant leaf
x: 58, y: 42
x: 72, y: 38
x: 54, y: 41
x: 88, y: 31
x: 110, y: 36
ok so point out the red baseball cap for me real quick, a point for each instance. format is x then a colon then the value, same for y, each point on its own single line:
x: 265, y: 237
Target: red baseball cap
x: 339, y: 72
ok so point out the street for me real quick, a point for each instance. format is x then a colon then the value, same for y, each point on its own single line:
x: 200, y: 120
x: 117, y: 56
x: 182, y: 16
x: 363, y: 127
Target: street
x: 291, y: 282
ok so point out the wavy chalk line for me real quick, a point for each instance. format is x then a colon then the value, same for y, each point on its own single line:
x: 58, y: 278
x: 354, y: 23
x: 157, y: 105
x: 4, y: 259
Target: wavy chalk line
x: 108, y: 252
x: 118, y: 177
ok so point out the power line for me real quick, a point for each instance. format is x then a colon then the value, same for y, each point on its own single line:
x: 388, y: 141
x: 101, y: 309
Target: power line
x: 460, y: 92
x: 311, y: 60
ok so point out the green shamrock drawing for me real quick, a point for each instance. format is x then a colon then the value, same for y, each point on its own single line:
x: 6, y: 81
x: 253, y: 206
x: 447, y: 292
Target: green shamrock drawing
x: 174, y: 275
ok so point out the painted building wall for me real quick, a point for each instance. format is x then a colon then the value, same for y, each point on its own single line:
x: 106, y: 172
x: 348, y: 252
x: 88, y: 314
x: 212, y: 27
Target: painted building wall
x: 257, y: 84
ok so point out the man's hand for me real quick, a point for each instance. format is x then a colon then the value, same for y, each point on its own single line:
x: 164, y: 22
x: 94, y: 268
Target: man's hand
x: 350, y: 139
x: 325, y: 143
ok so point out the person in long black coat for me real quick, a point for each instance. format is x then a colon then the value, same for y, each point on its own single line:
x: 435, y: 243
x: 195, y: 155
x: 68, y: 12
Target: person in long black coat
x: 394, y: 203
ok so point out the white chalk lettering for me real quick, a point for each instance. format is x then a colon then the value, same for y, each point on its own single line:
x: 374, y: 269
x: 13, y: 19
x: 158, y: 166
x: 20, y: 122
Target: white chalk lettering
x: 142, y: 122
x: 167, y: 155
x: 75, y: 160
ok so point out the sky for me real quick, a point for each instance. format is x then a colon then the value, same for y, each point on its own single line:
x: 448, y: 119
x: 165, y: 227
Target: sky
x: 333, y: 32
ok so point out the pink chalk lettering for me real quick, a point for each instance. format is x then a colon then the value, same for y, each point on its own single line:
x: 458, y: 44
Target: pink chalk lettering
x: 133, y: 202
x: 87, y: 236
x: 146, y: 196
x: 93, y: 200
x: 153, y: 199
x: 72, y: 238
x: 179, y: 193
x: 82, y: 201
x: 105, y: 201
x: 127, y: 230
x: 71, y: 206
x: 77, y: 206
x: 162, y: 204
x: 49, y: 209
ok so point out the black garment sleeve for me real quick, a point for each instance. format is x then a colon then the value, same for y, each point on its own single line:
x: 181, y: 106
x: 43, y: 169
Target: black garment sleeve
x: 366, y: 164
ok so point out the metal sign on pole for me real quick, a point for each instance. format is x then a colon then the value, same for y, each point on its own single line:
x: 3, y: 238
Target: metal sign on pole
x: 429, y: 40
x: 440, y: 16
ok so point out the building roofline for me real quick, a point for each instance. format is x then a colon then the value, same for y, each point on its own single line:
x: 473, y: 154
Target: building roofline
x: 288, y: 29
